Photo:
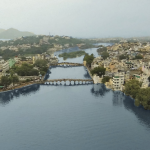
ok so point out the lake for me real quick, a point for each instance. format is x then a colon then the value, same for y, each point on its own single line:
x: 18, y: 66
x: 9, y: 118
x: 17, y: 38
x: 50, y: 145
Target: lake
x: 80, y: 117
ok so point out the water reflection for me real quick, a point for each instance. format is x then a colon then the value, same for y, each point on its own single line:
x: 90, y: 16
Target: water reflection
x: 142, y: 114
x: 118, y: 98
x: 6, y: 97
x: 99, y: 90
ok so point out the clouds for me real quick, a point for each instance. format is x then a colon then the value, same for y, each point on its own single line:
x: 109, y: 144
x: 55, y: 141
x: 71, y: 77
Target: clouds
x: 80, y: 18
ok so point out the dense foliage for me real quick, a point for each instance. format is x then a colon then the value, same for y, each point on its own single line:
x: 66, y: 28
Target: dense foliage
x: 42, y: 66
x: 105, y: 55
x: 102, y: 49
x: 25, y: 70
x: 123, y: 57
x: 40, y: 63
x: 143, y: 98
x: 7, y: 80
x: 99, y: 71
x: 105, y: 79
x: 139, y: 57
x: 72, y: 54
x: 132, y: 87
x: 89, y: 59
x: 141, y: 95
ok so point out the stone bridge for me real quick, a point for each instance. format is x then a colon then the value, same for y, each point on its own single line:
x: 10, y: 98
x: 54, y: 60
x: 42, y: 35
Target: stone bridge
x: 75, y: 81
x: 69, y: 64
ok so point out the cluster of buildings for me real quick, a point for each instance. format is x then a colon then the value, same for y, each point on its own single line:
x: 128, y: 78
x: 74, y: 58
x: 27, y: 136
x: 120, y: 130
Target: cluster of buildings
x: 54, y: 41
x: 18, y: 61
x: 6, y: 65
x: 49, y: 57
x: 121, y: 71
x: 43, y: 40
x: 19, y: 47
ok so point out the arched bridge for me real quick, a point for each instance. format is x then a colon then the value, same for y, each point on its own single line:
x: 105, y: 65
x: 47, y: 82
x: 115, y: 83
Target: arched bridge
x: 75, y: 81
x: 69, y: 64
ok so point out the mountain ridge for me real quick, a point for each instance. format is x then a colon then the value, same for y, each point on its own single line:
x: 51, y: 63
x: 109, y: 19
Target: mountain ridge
x: 12, y: 33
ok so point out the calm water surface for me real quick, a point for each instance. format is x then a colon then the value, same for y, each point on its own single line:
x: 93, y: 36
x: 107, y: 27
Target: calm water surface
x: 81, y: 117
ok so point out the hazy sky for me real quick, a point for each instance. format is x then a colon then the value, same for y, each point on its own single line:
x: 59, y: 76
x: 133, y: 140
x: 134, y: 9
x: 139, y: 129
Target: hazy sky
x: 78, y: 18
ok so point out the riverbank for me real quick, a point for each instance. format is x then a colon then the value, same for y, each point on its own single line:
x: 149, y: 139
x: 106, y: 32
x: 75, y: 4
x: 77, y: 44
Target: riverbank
x: 19, y: 86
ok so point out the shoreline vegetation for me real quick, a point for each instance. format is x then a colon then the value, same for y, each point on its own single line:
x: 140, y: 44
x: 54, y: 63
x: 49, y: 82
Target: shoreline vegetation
x: 140, y: 95
x: 18, y: 86
x: 72, y: 54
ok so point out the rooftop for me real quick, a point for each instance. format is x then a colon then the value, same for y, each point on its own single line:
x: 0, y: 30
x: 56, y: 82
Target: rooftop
x: 116, y: 77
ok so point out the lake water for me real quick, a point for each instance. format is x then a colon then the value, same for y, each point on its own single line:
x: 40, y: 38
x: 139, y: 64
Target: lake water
x: 81, y: 117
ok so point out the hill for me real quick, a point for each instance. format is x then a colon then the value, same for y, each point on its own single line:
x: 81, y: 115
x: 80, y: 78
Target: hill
x: 13, y: 33
x: 2, y: 30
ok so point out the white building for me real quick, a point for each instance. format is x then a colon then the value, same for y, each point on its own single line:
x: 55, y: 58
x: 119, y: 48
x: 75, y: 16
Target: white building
x: 4, y: 66
x: 129, y: 65
x: 118, y: 81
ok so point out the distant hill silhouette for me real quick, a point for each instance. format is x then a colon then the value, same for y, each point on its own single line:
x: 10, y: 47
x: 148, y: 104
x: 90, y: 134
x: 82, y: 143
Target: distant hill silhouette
x: 13, y: 33
x: 2, y: 30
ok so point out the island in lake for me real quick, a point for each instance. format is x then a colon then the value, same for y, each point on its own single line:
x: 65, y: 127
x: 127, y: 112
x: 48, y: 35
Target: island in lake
x: 72, y: 54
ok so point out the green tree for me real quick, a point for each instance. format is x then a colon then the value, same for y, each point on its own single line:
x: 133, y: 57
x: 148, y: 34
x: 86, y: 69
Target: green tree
x: 105, y: 79
x: 42, y: 73
x: 105, y: 55
x: 132, y: 87
x: 14, y: 79
x: 5, y: 80
x: 101, y: 49
x: 89, y: 59
x: 123, y: 57
x: 99, y: 71
x: 34, y: 72
x: 143, y: 98
x: 26, y: 70
x: 40, y: 63
x: 139, y: 57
